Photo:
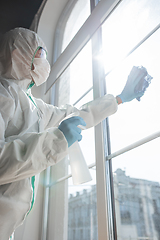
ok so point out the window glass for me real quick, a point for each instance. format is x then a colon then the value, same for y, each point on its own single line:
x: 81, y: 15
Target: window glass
x: 77, y: 79
x: 82, y: 210
x: 76, y: 19
x: 81, y: 74
x: 128, y: 25
x: 75, y: 87
x: 135, y: 173
x: 137, y: 192
x: 136, y: 120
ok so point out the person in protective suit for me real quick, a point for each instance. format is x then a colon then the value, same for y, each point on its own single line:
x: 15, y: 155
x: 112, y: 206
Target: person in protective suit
x: 33, y: 134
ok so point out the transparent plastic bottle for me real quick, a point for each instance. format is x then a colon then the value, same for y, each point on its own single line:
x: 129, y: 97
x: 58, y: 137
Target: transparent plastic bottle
x: 79, y: 168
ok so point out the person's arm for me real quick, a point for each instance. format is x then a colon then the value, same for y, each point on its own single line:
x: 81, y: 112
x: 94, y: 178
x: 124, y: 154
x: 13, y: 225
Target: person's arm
x: 27, y: 154
x: 97, y: 110
x: 31, y: 153
x: 92, y: 112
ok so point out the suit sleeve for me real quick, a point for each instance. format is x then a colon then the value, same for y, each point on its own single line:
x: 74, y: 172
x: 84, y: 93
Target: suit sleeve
x: 92, y: 112
x: 29, y: 154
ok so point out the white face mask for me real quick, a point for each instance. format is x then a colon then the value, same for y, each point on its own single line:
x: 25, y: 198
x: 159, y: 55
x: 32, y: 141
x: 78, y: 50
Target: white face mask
x: 41, y: 70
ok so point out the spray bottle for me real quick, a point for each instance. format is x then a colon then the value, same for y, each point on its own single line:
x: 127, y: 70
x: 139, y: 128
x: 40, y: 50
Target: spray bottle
x: 79, y: 168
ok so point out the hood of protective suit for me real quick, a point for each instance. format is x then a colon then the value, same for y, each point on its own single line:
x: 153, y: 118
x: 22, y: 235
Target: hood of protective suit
x: 17, y: 49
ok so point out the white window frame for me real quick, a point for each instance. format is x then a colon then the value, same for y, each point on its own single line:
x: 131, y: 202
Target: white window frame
x: 106, y: 224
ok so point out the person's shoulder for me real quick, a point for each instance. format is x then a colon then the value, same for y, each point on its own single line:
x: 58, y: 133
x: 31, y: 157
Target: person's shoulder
x: 6, y: 93
x: 7, y: 101
x: 6, y: 86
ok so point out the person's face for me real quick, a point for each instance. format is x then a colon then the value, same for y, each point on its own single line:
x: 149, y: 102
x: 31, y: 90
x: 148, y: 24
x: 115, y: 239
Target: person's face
x: 40, y: 66
x: 41, y: 53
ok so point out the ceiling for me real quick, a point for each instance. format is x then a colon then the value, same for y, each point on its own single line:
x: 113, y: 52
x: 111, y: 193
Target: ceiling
x: 17, y: 13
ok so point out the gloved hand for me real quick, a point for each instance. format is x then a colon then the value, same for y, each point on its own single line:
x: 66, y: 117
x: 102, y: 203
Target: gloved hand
x: 135, y: 76
x: 70, y: 130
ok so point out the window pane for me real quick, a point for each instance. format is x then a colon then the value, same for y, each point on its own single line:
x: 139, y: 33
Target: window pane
x: 77, y: 79
x: 136, y: 120
x: 78, y: 16
x: 137, y: 192
x: 82, y: 210
x: 81, y: 74
x: 136, y: 173
x: 127, y: 25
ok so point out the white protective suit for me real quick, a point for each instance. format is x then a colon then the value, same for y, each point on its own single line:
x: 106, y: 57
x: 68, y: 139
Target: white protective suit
x: 30, y: 140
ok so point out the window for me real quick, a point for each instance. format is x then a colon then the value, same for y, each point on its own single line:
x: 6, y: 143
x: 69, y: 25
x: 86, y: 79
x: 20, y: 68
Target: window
x: 124, y: 202
x: 135, y: 173
x: 75, y: 83
x: 78, y: 15
x: 75, y: 87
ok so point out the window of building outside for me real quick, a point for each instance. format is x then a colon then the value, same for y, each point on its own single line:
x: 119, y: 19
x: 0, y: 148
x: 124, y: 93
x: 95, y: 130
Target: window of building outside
x: 135, y: 173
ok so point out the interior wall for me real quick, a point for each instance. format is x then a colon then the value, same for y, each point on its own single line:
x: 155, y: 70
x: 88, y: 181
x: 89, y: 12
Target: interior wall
x: 19, y: 13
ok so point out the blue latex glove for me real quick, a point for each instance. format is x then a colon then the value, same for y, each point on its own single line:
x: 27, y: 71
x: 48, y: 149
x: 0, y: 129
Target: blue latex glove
x: 135, y: 76
x: 70, y: 130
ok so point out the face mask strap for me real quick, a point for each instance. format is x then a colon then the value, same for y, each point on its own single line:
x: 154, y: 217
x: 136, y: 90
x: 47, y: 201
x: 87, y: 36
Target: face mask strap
x: 31, y: 85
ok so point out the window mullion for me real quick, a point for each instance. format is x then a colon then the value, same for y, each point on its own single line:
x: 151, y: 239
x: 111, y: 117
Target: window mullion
x: 102, y: 210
